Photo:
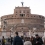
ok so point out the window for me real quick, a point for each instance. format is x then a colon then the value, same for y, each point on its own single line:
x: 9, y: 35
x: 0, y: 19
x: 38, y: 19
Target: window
x: 40, y: 16
x: 22, y: 15
x: 7, y: 16
x: 34, y: 16
x: 16, y: 14
x: 28, y: 16
x: 27, y: 11
x: 24, y: 11
x: 20, y: 11
x: 22, y: 28
x: 16, y: 11
x: 12, y: 16
x: 31, y: 16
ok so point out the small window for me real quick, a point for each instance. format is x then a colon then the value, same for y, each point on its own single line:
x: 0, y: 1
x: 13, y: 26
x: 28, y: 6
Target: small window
x: 20, y: 11
x: 16, y: 14
x: 34, y: 16
x: 12, y: 16
x: 1, y: 18
x: 28, y: 16
x: 39, y: 16
x: 22, y: 15
x: 24, y: 11
x: 27, y: 11
x: 16, y: 11
x: 31, y: 16
x: 42, y: 17
x: 7, y: 16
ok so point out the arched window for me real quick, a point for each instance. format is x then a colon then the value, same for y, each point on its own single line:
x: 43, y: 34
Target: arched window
x: 22, y: 15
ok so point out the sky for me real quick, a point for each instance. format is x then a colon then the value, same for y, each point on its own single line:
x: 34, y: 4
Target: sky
x: 8, y: 6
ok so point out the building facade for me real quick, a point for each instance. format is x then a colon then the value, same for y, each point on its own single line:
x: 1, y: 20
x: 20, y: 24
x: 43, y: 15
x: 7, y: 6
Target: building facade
x: 22, y: 21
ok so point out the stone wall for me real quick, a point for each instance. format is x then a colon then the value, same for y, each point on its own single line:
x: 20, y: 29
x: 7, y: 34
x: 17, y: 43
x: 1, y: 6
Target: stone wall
x: 22, y: 19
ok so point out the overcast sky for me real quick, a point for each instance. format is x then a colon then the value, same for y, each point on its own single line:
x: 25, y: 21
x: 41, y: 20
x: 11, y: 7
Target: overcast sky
x: 36, y: 6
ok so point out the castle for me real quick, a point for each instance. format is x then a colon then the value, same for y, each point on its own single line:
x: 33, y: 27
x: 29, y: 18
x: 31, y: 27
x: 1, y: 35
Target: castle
x: 22, y: 21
